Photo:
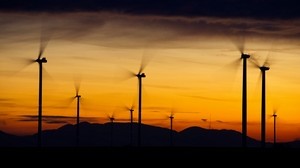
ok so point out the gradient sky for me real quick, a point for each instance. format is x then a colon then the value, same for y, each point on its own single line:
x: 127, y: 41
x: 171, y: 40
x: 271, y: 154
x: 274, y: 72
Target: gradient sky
x: 190, y: 51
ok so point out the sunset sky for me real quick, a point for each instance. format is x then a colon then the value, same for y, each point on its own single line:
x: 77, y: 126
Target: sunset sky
x: 190, y: 51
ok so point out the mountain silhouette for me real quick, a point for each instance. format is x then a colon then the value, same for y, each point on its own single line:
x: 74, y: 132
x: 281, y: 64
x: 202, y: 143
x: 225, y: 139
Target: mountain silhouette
x: 118, y: 135
x: 112, y: 140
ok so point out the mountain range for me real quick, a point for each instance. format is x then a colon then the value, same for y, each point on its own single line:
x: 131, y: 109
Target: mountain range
x: 118, y: 135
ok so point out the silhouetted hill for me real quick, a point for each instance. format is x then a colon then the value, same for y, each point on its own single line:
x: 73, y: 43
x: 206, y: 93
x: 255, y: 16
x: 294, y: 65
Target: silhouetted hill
x: 8, y: 139
x: 118, y: 135
x: 196, y: 136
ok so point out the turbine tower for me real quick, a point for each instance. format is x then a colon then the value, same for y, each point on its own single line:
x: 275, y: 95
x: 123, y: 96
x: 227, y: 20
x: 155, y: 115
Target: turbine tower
x: 263, y: 106
x: 240, y: 44
x: 131, y: 124
x: 77, y: 97
x: 140, y: 76
x: 171, y: 128
x: 244, y: 57
x: 40, y: 61
x: 263, y: 70
x: 111, y: 119
x: 274, y: 115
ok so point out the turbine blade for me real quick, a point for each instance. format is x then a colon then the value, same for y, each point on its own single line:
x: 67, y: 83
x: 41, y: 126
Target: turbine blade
x: 70, y: 100
x: 83, y: 101
x: 43, y: 44
x: 239, y: 42
x: 234, y: 64
x: 125, y: 74
x: 241, y: 45
x: 267, y: 61
x: 45, y: 37
x: 77, y: 82
x: 257, y: 88
x: 145, y: 61
x: 108, y: 117
x: 46, y: 74
x: 172, y: 112
x: 254, y: 61
x: 64, y: 103
x: 270, y: 116
x: 27, y: 61
x: 132, y: 107
x: 228, y: 72
x: 24, y: 62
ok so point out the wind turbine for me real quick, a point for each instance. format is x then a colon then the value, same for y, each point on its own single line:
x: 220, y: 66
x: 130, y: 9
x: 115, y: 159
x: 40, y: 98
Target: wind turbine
x: 263, y: 105
x: 274, y: 116
x: 140, y: 75
x: 171, y: 117
x: 44, y: 40
x: 241, y: 46
x: 77, y: 97
x: 263, y: 70
x: 111, y: 119
x: 131, y: 109
x: 41, y: 60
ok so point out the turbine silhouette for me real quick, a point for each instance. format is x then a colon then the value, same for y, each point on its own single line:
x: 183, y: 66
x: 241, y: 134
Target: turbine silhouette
x: 244, y: 100
x: 131, y: 109
x: 40, y: 60
x: 263, y: 70
x: 274, y: 116
x: 263, y: 105
x: 111, y: 119
x: 171, y: 117
x: 140, y: 75
x: 240, y: 44
x: 77, y: 97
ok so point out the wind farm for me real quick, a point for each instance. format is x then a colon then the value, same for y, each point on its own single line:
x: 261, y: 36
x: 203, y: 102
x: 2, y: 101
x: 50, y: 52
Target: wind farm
x: 186, y: 54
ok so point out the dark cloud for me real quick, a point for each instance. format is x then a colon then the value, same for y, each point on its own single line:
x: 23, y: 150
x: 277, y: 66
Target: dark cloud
x: 189, y: 8
x: 54, y: 119
x: 108, y: 29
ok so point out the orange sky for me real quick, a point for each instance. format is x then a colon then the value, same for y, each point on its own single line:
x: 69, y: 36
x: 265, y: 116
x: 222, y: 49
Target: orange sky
x: 189, y: 69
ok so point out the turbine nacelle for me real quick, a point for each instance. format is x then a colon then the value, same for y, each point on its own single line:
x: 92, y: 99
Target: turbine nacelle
x: 43, y: 60
x: 141, y: 75
x: 245, y: 56
x: 264, y: 68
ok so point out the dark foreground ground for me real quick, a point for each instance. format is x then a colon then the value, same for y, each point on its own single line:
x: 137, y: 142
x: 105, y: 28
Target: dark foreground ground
x: 100, y: 155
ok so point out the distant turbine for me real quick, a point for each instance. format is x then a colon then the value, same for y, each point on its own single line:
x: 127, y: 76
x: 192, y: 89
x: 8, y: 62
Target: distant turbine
x: 111, y: 119
x: 77, y: 97
x: 131, y: 109
x: 274, y: 115
x: 171, y: 128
